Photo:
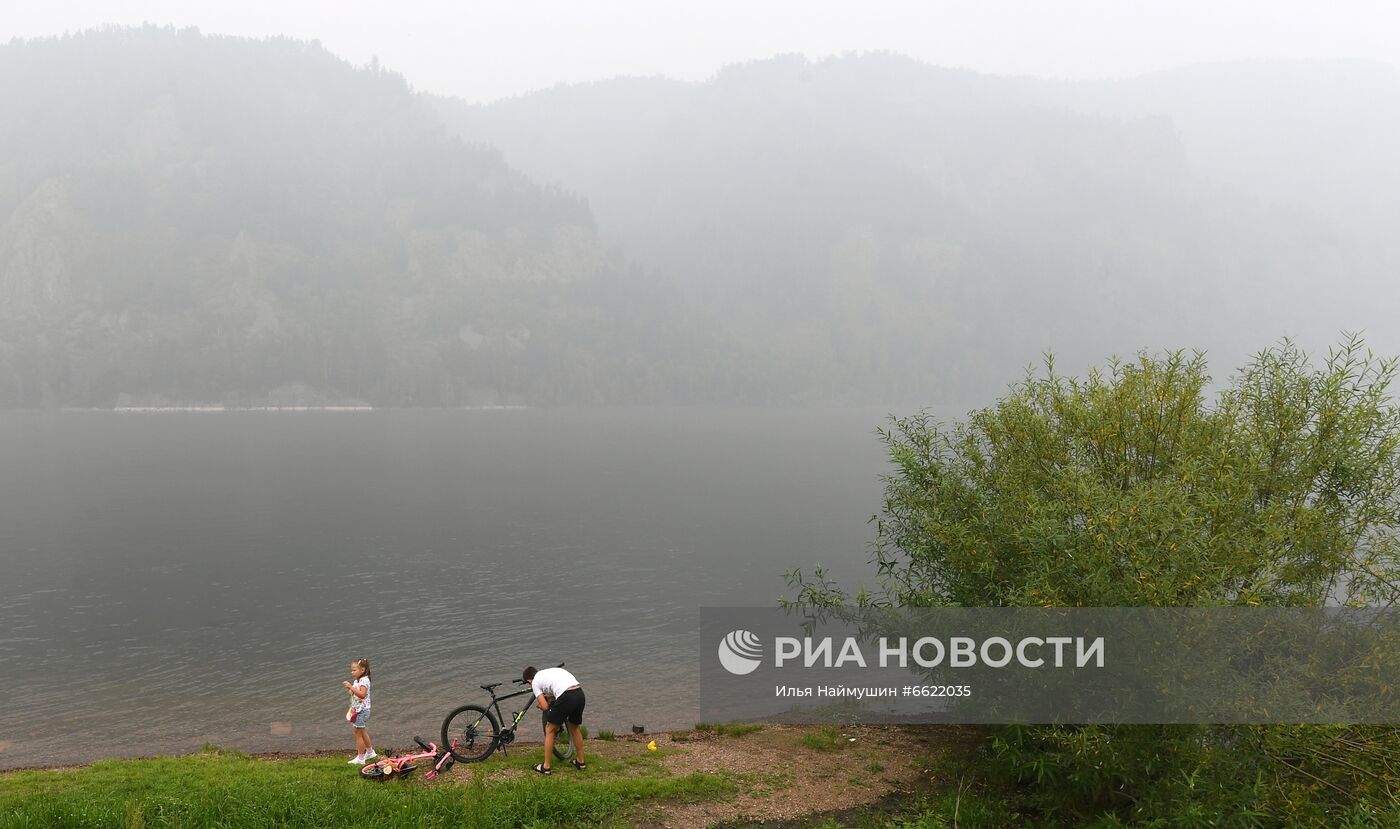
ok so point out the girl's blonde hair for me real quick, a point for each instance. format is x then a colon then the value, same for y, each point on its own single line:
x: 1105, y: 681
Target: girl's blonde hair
x: 363, y: 663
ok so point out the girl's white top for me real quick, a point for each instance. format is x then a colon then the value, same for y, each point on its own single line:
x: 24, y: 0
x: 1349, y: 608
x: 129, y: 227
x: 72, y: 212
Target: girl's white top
x: 361, y: 704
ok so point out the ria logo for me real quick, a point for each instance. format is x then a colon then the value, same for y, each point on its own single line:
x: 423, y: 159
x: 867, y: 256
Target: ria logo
x: 740, y: 652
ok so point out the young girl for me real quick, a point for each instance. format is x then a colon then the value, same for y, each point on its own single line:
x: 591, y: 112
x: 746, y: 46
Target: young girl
x: 359, y: 700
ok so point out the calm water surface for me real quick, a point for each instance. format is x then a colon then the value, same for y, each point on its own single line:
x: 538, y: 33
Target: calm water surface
x: 175, y: 579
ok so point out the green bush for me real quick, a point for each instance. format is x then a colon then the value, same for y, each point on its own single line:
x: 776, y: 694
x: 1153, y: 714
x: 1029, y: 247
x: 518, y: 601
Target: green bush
x: 1130, y: 488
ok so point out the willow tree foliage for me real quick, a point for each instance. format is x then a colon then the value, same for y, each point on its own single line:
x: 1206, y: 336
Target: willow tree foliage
x: 1139, y: 486
x: 1146, y: 484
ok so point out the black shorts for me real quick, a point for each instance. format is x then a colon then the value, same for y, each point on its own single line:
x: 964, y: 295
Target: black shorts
x: 567, y: 706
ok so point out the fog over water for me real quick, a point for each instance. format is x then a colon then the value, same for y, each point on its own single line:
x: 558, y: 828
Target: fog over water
x: 155, y: 561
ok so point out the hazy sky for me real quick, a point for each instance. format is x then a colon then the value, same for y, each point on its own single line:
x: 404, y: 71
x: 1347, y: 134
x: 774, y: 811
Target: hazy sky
x: 491, y: 49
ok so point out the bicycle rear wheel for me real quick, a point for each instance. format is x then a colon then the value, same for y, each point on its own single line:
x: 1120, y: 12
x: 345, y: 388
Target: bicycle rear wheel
x: 470, y: 733
x: 563, y: 742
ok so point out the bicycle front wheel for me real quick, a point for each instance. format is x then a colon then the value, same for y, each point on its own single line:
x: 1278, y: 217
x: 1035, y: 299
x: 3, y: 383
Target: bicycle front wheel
x: 470, y: 733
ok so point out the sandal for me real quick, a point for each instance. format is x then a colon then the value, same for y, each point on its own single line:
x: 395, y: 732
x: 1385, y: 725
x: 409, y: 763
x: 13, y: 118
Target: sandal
x: 543, y: 769
x: 578, y: 765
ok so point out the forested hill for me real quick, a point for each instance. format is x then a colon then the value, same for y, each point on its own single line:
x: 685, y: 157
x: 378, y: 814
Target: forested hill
x: 204, y: 219
x: 917, y: 230
x: 199, y: 219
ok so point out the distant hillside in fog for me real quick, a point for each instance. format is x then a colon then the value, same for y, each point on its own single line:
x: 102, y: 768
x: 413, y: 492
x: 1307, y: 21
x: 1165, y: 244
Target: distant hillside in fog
x: 935, y: 227
x: 216, y: 219
x: 203, y: 219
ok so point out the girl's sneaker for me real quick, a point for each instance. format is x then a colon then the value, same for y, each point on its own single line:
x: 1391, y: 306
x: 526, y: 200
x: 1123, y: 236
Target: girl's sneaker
x: 370, y: 755
x: 357, y: 760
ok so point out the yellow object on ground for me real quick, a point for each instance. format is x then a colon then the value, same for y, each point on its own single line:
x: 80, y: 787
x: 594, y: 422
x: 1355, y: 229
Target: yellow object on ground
x: 652, y: 745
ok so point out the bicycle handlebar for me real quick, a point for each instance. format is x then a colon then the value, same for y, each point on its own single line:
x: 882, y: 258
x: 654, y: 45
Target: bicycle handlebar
x: 421, y: 744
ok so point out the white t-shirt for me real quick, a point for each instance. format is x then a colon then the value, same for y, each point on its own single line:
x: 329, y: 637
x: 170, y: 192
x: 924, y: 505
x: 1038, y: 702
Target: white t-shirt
x: 552, y: 681
x: 361, y: 704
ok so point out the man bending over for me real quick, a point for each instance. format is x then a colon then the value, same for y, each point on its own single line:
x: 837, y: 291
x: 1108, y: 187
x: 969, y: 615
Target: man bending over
x: 566, y: 708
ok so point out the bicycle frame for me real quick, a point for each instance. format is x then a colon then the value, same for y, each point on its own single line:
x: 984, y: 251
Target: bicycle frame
x: 520, y: 715
x: 403, y: 765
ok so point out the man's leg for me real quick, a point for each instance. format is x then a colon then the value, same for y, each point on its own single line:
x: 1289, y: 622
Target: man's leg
x: 577, y: 734
x: 550, y: 729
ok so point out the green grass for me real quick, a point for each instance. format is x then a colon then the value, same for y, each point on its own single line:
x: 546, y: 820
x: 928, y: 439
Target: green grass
x: 728, y: 729
x: 606, y: 735
x: 226, y: 789
x: 948, y: 811
x: 826, y: 738
x: 914, y: 813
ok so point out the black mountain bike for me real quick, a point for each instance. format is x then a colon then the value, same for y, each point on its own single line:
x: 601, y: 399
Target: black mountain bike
x: 472, y: 732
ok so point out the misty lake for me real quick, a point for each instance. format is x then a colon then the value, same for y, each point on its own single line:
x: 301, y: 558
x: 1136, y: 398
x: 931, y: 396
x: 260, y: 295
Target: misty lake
x: 174, y: 579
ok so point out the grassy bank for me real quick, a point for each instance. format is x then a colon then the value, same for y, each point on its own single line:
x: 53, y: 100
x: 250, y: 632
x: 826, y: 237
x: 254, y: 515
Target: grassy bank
x: 218, y: 789
x: 712, y: 775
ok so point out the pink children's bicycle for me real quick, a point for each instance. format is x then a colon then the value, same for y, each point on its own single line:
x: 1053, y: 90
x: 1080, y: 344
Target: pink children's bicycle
x: 405, y: 764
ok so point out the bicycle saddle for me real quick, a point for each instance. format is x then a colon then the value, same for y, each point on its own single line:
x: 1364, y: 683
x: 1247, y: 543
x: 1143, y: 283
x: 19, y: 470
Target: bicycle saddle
x: 489, y: 687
